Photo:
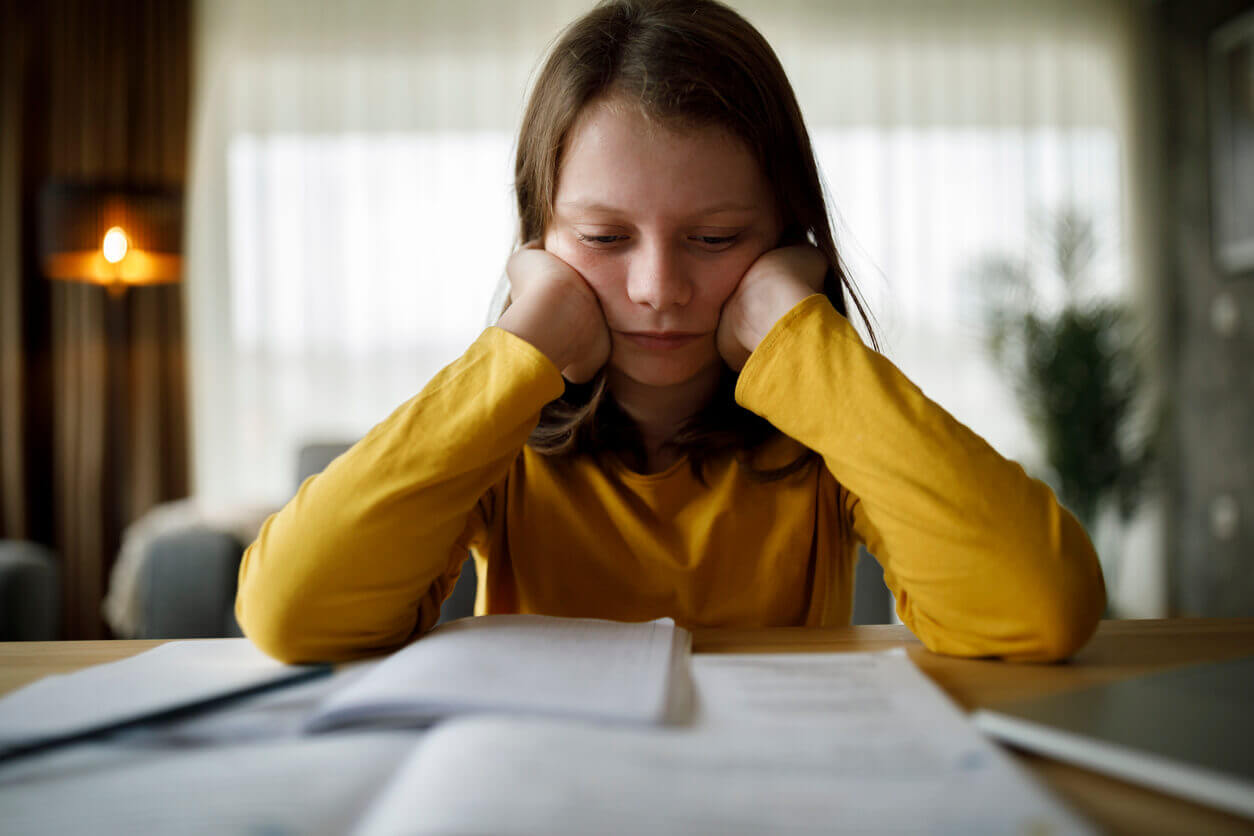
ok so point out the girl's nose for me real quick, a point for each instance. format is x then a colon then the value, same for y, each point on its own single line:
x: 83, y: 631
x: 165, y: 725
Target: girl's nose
x: 656, y: 278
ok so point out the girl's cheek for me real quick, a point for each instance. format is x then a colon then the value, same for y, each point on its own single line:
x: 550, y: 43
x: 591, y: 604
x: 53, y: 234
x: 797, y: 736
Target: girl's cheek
x: 593, y: 266
x: 727, y: 279
x: 567, y: 249
x: 599, y: 276
x: 565, y: 246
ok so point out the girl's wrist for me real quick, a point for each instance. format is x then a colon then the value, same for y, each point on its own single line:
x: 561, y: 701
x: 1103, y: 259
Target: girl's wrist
x: 528, y: 322
x: 765, y: 308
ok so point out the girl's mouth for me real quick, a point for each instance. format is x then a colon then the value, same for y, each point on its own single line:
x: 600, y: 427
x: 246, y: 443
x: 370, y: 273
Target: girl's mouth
x: 659, y: 340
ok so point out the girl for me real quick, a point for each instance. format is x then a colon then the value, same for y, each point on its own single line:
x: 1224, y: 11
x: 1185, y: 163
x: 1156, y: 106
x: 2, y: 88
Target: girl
x: 673, y: 416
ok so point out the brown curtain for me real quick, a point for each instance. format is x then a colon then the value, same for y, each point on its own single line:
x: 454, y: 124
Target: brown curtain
x: 93, y: 415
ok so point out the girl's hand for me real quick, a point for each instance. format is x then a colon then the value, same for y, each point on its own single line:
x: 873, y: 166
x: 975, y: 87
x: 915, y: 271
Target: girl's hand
x: 554, y: 309
x: 772, y: 285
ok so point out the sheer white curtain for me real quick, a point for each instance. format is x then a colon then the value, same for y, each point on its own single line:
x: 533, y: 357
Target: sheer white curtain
x: 351, y: 207
x: 350, y: 213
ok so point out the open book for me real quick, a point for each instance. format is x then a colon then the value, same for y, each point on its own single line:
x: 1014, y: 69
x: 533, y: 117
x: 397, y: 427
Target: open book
x: 585, y: 668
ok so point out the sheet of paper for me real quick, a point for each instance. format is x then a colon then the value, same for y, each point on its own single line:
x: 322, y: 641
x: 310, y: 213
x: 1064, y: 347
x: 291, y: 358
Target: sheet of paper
x: 270, y: 715
x: 277, y: 714
x: 300, y: 786
x: 522, y: 664
x: 173, y: 675
x: 787, y: 743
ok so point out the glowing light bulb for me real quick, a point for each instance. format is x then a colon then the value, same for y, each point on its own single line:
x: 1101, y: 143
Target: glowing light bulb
x: 114, y: 245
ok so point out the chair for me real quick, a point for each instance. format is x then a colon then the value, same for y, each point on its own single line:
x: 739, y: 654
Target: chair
x: 30, y: 592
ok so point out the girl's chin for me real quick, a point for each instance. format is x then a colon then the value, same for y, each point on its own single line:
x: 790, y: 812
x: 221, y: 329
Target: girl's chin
x: 659, y: 372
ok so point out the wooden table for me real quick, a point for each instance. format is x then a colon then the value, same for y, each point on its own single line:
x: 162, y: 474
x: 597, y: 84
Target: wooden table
x: 1120, y: 649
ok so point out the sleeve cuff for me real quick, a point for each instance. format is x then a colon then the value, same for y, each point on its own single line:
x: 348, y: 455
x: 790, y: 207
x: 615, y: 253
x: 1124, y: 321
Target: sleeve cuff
x: 759, y: 363
x: 547, y: 374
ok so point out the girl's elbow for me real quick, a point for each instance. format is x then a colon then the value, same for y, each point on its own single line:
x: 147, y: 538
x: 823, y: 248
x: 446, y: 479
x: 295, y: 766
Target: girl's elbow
x: 1068, y: 629
x: 1070, y: 595
x: 273, y: 630
x: 271, y: 617
x: 1069, y: 611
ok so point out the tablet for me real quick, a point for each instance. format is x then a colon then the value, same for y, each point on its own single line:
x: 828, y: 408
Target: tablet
x: 1188, y: 731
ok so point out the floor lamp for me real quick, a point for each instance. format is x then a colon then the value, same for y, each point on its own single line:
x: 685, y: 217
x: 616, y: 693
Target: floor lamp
x: 111, y: 234
x: 116, y: 235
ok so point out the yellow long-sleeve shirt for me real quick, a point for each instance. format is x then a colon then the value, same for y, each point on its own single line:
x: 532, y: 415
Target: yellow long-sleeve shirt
x: 981, y: 558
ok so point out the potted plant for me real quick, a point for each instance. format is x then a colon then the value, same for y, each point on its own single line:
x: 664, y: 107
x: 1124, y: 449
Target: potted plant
x: 1073, y: 359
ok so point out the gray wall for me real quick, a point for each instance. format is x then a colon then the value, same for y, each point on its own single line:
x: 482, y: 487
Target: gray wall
x: 1210, y: 473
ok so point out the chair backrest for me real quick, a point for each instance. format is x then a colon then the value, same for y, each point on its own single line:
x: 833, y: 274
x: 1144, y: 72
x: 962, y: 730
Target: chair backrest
x: 30, y: 592
x: 189, y: 583
x: 872, y: 602
x: 314, y: 457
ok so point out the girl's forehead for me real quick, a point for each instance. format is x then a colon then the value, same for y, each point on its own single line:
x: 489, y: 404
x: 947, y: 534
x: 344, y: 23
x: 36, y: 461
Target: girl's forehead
x: 616, y: 156
x: 620, y: 121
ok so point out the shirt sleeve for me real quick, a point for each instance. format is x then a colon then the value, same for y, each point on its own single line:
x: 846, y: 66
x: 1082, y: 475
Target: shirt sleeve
x: 361, y: 558
x: 981, y: 558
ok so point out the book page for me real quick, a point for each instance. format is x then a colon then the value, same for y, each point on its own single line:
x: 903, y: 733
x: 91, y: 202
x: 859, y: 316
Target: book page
x: 528, y: 664
x: 795, y: 743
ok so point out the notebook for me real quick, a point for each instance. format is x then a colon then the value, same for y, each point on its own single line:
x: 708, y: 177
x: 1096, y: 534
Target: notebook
x: 600, y: 670
x: 1188, y: 731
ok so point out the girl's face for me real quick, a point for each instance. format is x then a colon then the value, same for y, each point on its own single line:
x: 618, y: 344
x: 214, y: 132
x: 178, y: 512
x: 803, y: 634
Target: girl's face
x: 662, y: 224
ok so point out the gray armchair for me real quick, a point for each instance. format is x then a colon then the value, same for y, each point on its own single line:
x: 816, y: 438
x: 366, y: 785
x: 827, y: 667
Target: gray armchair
x: 187, y: 585
x: 30, y: 592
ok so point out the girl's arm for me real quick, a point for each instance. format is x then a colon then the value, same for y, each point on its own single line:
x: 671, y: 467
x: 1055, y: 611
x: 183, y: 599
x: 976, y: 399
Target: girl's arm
x: 360, y: 560
x: 982, y: 559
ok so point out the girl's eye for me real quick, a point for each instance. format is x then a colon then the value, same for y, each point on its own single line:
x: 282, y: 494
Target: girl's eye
x: 715, y: 240
x: 601, y: 240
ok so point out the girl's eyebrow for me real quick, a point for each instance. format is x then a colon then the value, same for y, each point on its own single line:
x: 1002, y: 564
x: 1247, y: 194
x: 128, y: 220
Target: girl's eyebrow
x: 596, y: 206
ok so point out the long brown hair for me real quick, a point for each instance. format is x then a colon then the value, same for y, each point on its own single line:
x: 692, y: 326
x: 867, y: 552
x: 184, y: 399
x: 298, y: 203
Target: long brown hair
x: 690, y: 63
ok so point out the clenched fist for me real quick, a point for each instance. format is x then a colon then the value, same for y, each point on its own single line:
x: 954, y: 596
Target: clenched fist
x: 554, y: 309
x: 772, y: 285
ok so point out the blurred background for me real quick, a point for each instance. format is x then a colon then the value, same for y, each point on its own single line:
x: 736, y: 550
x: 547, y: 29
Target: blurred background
x: 235, y: 234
